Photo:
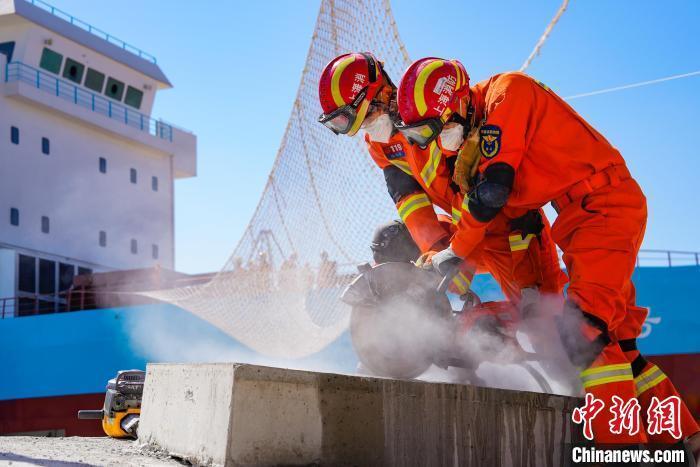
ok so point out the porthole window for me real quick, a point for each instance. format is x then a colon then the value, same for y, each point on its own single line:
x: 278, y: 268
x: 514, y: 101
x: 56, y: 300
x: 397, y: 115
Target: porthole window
x: 73, y: 71
x: 115, y: 89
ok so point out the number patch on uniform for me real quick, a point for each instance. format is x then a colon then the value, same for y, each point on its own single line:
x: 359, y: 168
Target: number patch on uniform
x: 490, y: 140
x: 394, y: 151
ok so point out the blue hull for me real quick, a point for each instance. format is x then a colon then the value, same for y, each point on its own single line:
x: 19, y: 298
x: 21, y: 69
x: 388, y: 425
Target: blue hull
x: 76, y: 353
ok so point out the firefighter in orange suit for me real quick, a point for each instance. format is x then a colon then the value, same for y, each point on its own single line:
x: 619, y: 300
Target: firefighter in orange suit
x: 533, y: 148
x: 355, y: 93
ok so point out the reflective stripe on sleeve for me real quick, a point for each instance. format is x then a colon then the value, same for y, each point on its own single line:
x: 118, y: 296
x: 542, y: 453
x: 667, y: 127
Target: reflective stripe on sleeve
x: 412, y: 203
x: 465, y: 204
x: 429, y: 171
x: 517, y: 242
x: 403, y: 165
x: 456, y: 215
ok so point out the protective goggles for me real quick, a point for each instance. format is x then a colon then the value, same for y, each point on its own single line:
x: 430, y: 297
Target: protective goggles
x: 343, y: 119
x: 421, y: 133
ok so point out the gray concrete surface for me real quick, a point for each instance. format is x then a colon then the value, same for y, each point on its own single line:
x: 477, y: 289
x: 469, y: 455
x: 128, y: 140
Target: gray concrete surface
x: 79, y: 452
x: 231, y: 414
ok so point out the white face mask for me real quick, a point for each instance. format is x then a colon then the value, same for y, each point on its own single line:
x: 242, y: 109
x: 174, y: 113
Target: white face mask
x: 380, y: 129
x: 452, y: 136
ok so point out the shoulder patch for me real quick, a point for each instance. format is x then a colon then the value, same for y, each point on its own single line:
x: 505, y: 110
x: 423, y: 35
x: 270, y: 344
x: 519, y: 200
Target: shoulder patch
x: 394, y: 151
x: 490, y: 140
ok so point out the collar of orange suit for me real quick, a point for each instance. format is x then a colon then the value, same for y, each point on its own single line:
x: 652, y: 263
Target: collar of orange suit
x: 477, y: 100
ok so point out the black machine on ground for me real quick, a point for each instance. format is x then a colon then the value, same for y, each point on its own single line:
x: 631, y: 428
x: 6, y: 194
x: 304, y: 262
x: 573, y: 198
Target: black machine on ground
x: 402, y: 322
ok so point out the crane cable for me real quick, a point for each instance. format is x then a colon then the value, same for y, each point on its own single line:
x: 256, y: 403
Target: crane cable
x: 538, y: 47
x: 633, y: 85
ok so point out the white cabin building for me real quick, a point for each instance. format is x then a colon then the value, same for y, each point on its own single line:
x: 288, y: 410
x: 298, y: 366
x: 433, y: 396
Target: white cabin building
x: 86, y: 174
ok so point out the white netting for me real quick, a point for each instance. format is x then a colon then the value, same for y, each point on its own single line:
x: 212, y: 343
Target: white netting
x: 278, y: 293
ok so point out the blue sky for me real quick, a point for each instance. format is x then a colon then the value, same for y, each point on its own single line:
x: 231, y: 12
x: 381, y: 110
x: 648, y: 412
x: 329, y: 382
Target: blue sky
x: 236, y: 67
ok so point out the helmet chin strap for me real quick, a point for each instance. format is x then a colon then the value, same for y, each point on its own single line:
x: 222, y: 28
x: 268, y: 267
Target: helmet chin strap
x: 465, y: 118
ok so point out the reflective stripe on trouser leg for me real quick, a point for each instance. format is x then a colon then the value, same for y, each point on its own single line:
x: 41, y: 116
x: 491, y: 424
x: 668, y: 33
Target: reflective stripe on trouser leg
x: 610, y: 375
x: 653, y: 382
x: 413, y: 203
x: 650, y: 381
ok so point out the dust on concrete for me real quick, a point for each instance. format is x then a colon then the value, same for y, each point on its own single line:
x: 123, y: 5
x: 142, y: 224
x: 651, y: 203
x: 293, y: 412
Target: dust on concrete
x: 79, y: 452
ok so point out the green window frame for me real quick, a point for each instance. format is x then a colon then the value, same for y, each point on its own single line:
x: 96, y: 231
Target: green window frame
x: 134, y: 97
x: 114, y: 89
x: 95, y: 80
x: 51, y: 61
x: 73, y: 71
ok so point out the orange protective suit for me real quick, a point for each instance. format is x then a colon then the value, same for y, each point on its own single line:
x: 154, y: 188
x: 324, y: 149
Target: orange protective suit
x: 557, y: 156
x: 514, y: 261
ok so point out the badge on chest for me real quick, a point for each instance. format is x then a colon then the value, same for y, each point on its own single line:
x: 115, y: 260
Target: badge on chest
x: 394, y: 151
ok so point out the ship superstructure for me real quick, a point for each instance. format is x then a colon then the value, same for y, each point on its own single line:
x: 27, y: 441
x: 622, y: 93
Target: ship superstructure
x: 86, y: 173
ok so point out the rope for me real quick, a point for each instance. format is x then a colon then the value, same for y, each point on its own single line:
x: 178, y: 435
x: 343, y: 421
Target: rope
x: 536, y: 51
x: 633, y: 85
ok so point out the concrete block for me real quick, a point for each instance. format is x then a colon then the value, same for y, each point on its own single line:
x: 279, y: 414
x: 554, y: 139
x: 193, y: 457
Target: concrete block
x: 234, y: 414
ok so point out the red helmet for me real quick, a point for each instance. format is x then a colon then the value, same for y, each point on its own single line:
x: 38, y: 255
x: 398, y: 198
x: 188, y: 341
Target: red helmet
x: 346, y: 88
x: 429, y: 93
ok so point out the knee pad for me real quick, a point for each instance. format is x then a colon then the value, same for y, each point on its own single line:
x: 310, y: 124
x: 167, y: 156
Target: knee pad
x: 581, y: 346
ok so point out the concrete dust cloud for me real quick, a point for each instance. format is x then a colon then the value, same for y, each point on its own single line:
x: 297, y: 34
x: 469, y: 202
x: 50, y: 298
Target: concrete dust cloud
x: 405, y: 339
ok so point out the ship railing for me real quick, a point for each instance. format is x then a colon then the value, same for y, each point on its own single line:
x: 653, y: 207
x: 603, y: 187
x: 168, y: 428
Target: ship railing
x: 73, y: 299
x: 92, y: 30
x: 660, y: 258
x: 21, y: 72
x: 79, y: 298
x: 31, y: 304
x: 668, y: 258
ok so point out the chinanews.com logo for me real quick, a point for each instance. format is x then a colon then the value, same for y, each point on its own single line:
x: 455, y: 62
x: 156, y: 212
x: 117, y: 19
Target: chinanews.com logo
x: 615, y: 455
x: 662, y: 416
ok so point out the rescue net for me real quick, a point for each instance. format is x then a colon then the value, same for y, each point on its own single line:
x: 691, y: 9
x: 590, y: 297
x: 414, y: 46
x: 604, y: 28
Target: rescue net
x: 279, y: 291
